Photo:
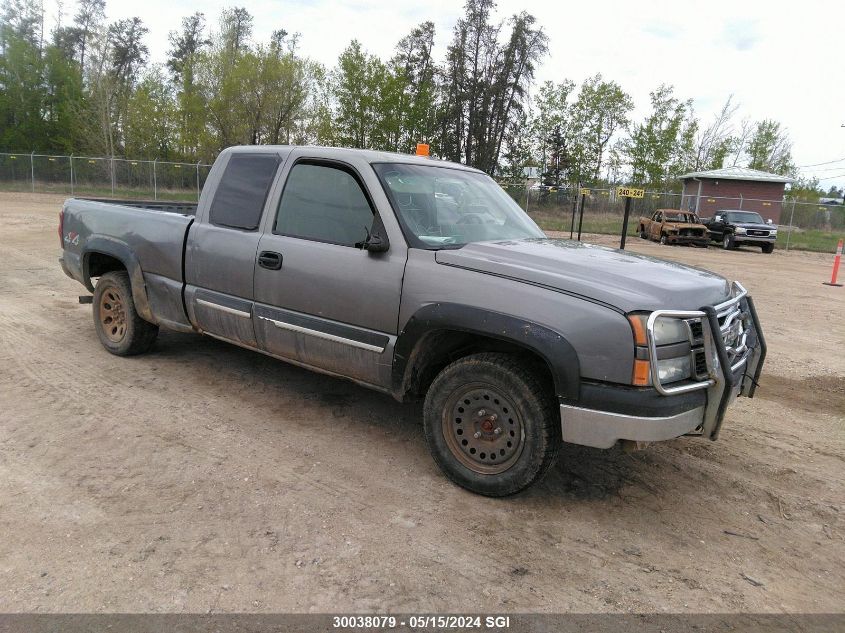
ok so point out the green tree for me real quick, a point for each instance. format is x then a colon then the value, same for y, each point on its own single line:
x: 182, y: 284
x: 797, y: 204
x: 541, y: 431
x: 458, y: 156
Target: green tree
x: 599, y: 113
x: 770, y: 148
x: 186, y: 47
x: 657, y: 147
x: 552, y: 116
x: 357, y: 81
x: 150, y: 120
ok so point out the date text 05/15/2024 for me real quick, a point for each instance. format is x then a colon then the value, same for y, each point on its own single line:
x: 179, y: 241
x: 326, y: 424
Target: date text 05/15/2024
x: 490, y: 622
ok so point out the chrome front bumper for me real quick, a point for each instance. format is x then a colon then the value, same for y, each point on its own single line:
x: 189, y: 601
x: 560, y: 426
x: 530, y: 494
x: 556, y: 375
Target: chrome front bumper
x: 726, y: 380
x: 602, y: 429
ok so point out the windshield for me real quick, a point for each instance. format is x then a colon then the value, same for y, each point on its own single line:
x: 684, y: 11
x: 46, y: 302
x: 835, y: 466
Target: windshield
x: 681, y: 217
x: 744, y: 216
x: 440, y: 207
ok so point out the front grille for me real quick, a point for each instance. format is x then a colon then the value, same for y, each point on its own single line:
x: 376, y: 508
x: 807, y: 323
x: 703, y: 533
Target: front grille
x: 700, y: 365
x: 758, y: 233
x: 696, y: 329
x: 733, y: 324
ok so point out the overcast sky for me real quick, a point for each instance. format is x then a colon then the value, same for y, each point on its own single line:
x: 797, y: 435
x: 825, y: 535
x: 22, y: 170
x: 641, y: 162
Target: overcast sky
x: 780, y: 62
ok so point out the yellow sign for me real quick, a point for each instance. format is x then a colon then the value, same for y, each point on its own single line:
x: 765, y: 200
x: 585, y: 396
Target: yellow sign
x: 628, y: 192
x: 585, y: 192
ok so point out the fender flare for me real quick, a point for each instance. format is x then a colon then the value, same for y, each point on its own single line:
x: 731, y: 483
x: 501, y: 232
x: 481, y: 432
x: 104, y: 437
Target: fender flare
x: 551, y: 346
x: 121, y: 251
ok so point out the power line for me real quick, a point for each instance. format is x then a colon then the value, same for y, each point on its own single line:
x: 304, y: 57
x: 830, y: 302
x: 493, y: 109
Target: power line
x: 830, y: 162
x: 831, y: 177
x: 813, y: 171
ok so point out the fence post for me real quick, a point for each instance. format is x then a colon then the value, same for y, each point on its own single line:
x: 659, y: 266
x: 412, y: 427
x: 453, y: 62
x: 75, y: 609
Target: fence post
x: 155, y: 183
x: 112, y: 176
x: 198, y: 181
x: 32, y: 169
x: 791, y: 216
x: 71, y: 173
x: 581, y: 217
x: 527, y: 193
x: 625, y: 223
x: 740, y: 201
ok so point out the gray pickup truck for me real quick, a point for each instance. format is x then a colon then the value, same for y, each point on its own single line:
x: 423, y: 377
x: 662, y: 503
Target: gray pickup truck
x: 424, y: 280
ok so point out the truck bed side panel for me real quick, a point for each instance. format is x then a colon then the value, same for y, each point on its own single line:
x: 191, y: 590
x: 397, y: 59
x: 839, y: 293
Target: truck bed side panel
x: 149, y: 243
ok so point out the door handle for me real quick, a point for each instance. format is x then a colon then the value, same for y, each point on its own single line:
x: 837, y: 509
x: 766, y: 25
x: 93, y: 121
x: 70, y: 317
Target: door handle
x: 270, y: 260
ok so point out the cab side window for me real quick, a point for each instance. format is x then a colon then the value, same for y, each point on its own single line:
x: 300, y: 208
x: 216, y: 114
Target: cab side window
x: 240, y: 196
x: 324, y: 203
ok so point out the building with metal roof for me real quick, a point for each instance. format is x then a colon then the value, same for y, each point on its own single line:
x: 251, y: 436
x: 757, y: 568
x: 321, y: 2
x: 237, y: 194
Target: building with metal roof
x: 707, y: 192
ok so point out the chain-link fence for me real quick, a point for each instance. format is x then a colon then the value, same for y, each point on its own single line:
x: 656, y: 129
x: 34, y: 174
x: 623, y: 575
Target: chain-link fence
x: 802, y: 225
x: 102, y: 176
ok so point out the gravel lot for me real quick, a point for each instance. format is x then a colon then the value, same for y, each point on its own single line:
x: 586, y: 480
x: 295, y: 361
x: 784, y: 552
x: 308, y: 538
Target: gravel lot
x: 204, y: 477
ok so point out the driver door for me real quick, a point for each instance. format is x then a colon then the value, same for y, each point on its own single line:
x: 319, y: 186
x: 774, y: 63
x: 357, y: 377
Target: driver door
x: 320, y: 299
x: 656, y: 226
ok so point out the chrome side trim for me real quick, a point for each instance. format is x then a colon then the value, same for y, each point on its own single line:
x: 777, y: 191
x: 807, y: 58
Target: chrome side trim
x: 602, y: 429
x: 323, y: 335
x: 226, y: 309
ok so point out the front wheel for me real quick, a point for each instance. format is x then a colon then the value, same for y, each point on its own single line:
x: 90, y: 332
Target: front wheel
x: 768, y: 248
x: 663, y: 239
x: 119, y: 328
x: 728, y: 242
x: 491, y: 425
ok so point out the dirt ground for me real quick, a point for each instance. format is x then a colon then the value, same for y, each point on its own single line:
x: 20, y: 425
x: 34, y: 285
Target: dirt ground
x: 203, y: 477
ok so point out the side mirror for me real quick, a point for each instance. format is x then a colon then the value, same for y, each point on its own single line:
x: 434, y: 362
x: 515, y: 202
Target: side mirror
x: 769, y: 221
x: 717, y: 218
x: 376, y: 244
x: 376, y: 240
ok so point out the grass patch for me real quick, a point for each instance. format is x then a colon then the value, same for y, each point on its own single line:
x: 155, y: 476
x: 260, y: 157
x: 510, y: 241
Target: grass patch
x: 810, y: 240
x: 611, y: 224
x: 184, y: 195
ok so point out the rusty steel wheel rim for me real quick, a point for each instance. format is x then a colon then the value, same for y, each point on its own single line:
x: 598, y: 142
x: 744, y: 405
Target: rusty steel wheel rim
x: 483, y: 429
x: 112, y: 315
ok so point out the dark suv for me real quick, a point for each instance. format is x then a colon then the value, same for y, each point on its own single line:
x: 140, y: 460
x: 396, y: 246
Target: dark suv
x: 735, y: 228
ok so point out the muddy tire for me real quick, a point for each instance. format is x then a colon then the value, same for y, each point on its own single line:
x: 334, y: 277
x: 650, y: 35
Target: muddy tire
x: 491, y: 425
x: 728, y: 242
x: 119, y: 328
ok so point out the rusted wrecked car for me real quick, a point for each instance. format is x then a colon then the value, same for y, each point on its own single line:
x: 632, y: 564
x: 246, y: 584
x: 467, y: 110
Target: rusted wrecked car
x: 670, y: 226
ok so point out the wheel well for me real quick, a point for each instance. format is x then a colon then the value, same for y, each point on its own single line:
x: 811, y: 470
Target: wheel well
x: 439, y: 348
x: 99, y: 264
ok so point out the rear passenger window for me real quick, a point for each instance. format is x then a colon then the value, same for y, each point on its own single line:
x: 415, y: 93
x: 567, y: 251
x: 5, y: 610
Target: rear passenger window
x: 242, y: 191
x: 325, y: 204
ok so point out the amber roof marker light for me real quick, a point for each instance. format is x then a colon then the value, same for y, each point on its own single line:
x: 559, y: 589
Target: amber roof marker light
x: 422, y: 149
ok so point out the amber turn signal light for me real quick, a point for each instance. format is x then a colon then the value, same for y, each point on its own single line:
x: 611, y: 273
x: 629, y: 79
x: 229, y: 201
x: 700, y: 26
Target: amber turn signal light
x: 641, y: 373
x: 637, y: 322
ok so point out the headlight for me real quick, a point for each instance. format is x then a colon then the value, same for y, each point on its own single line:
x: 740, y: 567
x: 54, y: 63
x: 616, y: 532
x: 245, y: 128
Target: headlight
x: 740, y: 230
x: 674, y: 369
x: 667, y: 331
x: 773, y: 231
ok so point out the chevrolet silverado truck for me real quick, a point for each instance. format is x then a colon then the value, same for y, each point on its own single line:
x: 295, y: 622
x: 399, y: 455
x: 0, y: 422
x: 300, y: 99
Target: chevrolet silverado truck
x: 739, y: 228
x: 423, y: 279
x: 669, y: 226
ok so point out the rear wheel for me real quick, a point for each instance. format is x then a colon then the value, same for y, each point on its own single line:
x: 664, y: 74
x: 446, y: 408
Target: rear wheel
x: 728, y: 242
x: 119, y: 328
x: 491, y: 425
